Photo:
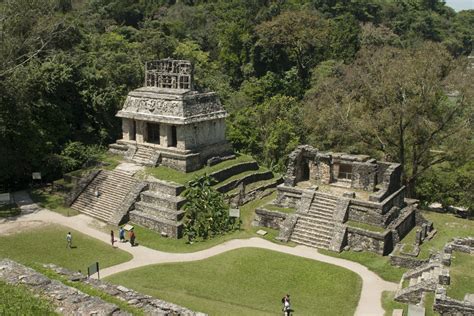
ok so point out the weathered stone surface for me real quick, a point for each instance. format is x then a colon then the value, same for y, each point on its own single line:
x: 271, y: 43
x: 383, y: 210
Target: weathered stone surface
x: 79, y: 187
x: 267, y: 218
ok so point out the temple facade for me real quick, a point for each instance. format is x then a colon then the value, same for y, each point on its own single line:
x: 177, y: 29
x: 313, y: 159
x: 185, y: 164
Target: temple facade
x: 168, y: 123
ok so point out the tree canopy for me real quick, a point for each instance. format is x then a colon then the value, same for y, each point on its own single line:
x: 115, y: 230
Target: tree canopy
x: 337, y: 74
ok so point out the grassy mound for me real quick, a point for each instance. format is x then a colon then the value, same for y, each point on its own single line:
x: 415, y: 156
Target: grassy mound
x: 250, y: 282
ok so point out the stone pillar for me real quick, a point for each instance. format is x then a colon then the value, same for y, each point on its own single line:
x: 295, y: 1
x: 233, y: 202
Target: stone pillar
x: 324, y: 172
x: 126, y: 128
x: 164, y: 129
x: 141, y: 133
x: 181, y: 137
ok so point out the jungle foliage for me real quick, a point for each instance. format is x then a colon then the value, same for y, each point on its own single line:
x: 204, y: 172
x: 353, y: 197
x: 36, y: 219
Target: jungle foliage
x: 339, y: 75
x: 206, y: 211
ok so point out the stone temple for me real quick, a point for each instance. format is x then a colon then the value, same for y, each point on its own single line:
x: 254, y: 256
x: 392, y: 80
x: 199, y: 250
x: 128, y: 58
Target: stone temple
x: 166, y: 122
x: 341, y: 201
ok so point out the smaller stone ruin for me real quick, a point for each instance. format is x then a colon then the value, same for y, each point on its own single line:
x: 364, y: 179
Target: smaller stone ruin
x: 343, y: 201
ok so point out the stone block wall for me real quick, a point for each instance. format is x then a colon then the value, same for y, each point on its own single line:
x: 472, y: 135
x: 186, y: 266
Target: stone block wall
x: 172, y: 229
x: 226, y: 173
x: 364, y: 176
x: 260, y: 176
x: 288, y: 196
x: 380, y: 243
x: 166, y: 187
x: 267, y: 218
x: 406, y: 262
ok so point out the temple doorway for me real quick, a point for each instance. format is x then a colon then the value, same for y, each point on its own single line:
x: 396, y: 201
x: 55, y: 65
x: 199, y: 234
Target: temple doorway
x: 153, y: 133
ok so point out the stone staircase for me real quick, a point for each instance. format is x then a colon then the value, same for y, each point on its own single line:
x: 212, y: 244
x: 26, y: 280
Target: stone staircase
x: 315, y: 228
x: 144, y: 155
x: 159, y: 208
x: 112, y: 186
x: 421, y: 279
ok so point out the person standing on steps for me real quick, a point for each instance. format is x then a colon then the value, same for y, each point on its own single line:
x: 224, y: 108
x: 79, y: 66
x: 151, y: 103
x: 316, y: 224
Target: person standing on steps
x: 112, y: 237
x: 69, y: 240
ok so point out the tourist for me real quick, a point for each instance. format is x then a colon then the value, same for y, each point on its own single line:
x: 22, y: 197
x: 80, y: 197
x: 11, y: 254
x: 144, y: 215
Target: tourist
x: 286, y: 304
x: 69, y: 240
x: 132, y: 238
x: 122, y: 234
x: 112, y: 237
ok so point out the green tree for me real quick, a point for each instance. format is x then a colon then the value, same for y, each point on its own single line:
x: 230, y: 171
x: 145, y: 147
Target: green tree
x: 393, y: 103
x: 302, y: 35
x: 207, y: 213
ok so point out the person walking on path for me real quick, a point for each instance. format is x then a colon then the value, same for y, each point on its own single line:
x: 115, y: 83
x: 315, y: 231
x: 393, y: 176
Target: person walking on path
x: 122, y: 234
x: 69, y: 240
x: 112, y: 237
x: 132, y: 238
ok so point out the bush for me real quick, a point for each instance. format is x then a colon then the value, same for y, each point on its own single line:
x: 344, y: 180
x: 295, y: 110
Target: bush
x: 207, y: 214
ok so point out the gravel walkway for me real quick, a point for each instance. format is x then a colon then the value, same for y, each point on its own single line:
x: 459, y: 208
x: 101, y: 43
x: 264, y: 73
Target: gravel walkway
x: 372, y: 285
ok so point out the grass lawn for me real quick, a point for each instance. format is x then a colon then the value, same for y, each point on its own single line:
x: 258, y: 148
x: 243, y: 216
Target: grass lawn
x: 389, y: 304
x: 374, y: 262
x: 168, y: 174
x: 448, y: 226
x: 428, y: 303
x: 372, y: 228
x: 47, y: 244
x: 249, y: 282
x: 152, y: 239
x: 52, y: 201
x: 18, y: 300
x: 462, y: 276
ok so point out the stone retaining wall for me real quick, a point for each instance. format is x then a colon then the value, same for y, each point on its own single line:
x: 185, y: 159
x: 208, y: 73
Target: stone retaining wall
x: 167, y: 187
x: 406, y: 262
x: 267, y: 218
x: 68, y: 300
x: 361, y: 239
x: 226, y: 173
x: 151, y: 306
x: 267, y: 175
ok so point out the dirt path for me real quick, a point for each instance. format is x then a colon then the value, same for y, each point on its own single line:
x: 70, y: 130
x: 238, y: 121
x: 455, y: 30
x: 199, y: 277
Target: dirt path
x: 372, y: 285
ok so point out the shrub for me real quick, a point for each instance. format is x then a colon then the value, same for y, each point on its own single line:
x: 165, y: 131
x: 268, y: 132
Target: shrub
x: 207, y: 214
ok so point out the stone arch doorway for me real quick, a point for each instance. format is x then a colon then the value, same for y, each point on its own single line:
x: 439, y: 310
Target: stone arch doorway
x: 305, y: 171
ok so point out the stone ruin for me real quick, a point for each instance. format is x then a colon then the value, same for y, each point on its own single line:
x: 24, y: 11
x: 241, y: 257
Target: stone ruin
x: 167, y: 123
x: 342, y: 201
x: 434, y: 276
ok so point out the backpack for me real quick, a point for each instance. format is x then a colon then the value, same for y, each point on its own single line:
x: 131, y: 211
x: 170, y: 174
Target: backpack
x: 283, y: 300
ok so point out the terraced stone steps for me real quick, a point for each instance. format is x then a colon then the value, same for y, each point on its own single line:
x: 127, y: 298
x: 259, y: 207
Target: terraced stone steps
x: 143, y: 155
x: 422, y: 279
x: 154, y: 209
x: 315, y: 226
x: 162, y: 199
x: 112, y: 186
